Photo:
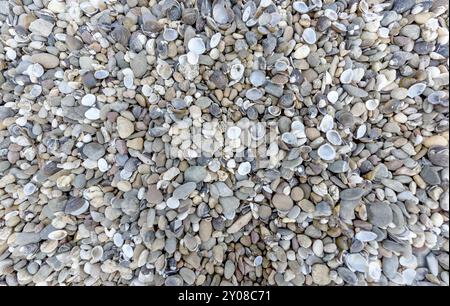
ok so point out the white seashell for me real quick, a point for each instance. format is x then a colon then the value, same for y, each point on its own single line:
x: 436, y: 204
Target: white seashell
x: 365, y: 236
x: 331, y: 14
x: 356, y: 262
x: 309, y: 35
x: 29, y: 189
x: 57, y: 235
x: 326, y: 152
x: 170, y: 34
x: 437, y: 97
x: 254, y: 94
x: 298, y: 129
x: 196, y: 45
x: 358, y: 74
x: 128, y: 81
x: 234, y: 132
x: 173, y: 203
x: 374, y: 270
x: 192, y: 58
x: 333, y: 96
x: 362, y: 129
x: 92, y: 113
x: 258, y: 78
x: 300, y: 7
x: 372, y: 104
x: 334, y: 138
x: 215, y: 40
x: 96, y: 253
x: 346, y: 76
x: 326, y: 124
x: 164, y: 70
x: 409, y: 275
x: 244, y: 168
x: 237, y: 71
x: 416, y: 90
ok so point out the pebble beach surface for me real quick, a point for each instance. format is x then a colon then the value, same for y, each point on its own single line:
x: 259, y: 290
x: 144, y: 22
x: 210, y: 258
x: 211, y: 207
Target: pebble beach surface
x: 224, y: 142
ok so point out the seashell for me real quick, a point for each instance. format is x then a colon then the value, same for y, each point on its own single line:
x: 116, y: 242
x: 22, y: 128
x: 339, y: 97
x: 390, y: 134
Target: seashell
x: 333, y: 96
x: 416, y: 90
x: 244, y: 168
x: 237, y: 71
x: 326, y: 124
x: 438, y: 97
x: 309, y: 36
x: 254, y: 94
x: 300, y: 7
x: 372, y: 104
x: 258, y: 131
x: 361, y: 131
x: 173, y: 12
x: 358, y: 74
x: 215, y: 40
x: 346, y: 76
x: 330, y: 14
x: 57, y: 235
x: 121, y: 35
x: 257, y: 78
x: 274, y: 110
x: 88, y: 8
x: 196, y: 45
x: 163, y: 69
x: 298, y: 129
x: 366, y: 236
x: 96, y: 254
x: 334, y: 137
x: 345, y: 118
x: 289, y: 138
x: 170, y: 34
x: 192, y: 58
x: 222, y: 12
x: 356, y: 262
x: 286, y: 100
x: 234, y: 132
x: 374, y: 270
x: 326, y: 152
x: 189, y: 16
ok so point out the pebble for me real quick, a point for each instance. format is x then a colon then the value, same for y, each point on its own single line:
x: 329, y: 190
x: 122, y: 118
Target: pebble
x: 224, y: 143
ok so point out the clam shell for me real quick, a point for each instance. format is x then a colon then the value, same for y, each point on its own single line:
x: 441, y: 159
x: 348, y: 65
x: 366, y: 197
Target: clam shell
x: 254, y: 94
x: 333, y: 96
x: 215, y: 40
x: 438, y: 97
x: 416, y: 90
x: 237, y: 71
x: 196, y: 45
x: 309, y: 36
x: 334, y: 137
x: 234, y: 132
x: 170, y: 34
x: 274, y: 110
x: 300, y: 7
x: 326, y: 124
x: 96, y: 253
x: 258, y: 78
x: 372, y: 104
x: 57, y: 235
x: 192, y: 58
x: 222, y: 13
x: 356, y: 262
x: 326, y: 152
x: 289, y: 138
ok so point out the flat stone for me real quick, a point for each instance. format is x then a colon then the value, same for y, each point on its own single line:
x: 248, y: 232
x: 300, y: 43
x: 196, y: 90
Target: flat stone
x: 94, y: 150
x: 379, y: 214
x: 195, y: 174
x: 282, y: 202
x: 47, y: 60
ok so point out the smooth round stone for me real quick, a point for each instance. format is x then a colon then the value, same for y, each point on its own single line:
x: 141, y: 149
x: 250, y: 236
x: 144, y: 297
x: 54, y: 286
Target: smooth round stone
x: 46, y: 60
x: 282, y: 202
x: 101, y: 74
x: 351, y: 194
x: 102, y: 165
x: 92, y: 113
x: 339, y: 166
x: 88, y: 100
x: 29, y: 189
x: 93, y: 150
x: 195, y: 174
x: 124, y: 127
x: 321, y: 274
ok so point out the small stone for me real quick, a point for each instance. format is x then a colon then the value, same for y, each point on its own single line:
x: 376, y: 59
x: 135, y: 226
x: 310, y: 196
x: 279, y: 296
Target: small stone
x: 282, y: 202
x: 379, y: 214
x: 195, y: 174
x: 124, y: 127
x: 321, y: 275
